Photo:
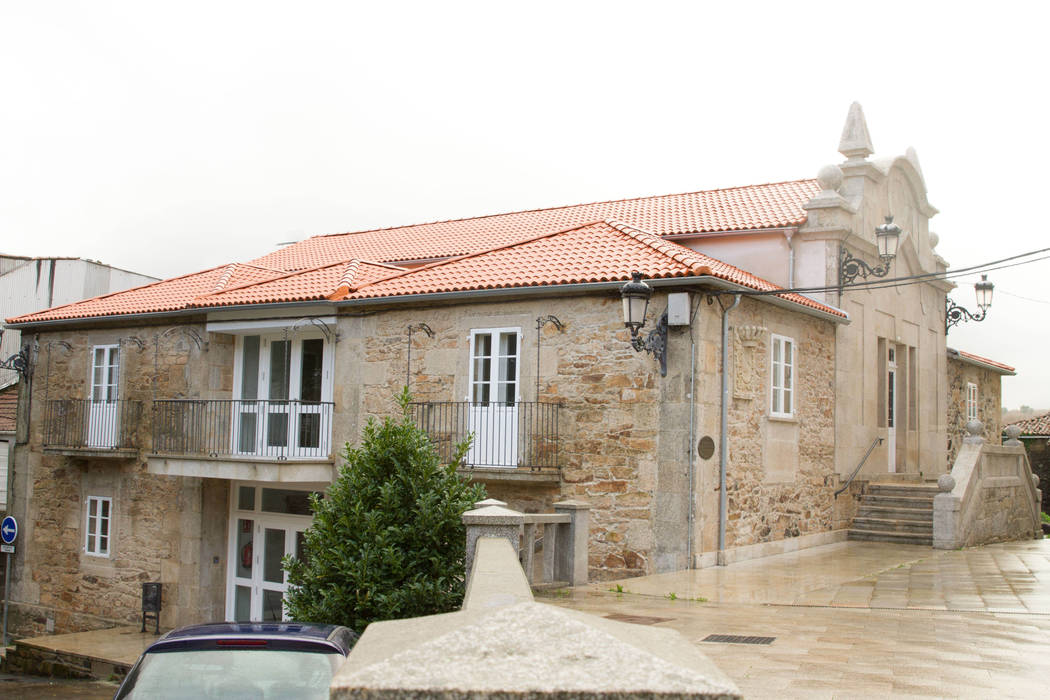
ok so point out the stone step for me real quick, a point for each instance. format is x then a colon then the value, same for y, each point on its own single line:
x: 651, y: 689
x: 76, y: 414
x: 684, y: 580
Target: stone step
x: 896, y: 501
x: 893, y: 525
x: 913, y: 514
x: 890, y: 536
x: 918, y: 491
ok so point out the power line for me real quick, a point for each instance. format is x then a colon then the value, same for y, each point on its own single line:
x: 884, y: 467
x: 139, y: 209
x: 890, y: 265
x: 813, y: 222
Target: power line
x: 900, y: 281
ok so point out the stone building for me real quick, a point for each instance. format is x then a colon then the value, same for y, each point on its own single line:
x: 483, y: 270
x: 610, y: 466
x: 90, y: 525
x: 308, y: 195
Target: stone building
x: 974, y: 393
x: 178, y: 427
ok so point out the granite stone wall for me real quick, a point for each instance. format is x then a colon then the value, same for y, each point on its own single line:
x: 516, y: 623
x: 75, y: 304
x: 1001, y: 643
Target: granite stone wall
x: 989, y: 404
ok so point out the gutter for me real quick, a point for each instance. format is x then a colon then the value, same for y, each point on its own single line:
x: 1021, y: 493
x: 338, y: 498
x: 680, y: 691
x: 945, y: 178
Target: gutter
x: 501, y: 293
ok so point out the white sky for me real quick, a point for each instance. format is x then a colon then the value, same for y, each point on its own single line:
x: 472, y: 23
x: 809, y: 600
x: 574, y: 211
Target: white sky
x: 169, y: 137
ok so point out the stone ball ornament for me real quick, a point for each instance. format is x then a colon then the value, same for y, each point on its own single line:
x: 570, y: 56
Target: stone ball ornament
x: 1013, y: 432
x: 830, y: 178
x: 946, y: 483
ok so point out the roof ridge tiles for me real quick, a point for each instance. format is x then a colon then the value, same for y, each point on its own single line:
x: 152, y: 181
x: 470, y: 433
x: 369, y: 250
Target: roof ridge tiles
x: 467, y: 256
x: 688, y: 257
x: 564, y: 206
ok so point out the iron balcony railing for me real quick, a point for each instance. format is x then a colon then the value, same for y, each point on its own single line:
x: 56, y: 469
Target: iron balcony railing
x: 243, y: 428
x: 84, y: 424
x: 506, y: 435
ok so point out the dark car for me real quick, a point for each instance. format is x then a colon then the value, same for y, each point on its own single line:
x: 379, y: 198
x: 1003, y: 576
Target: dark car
x: 233, y: 660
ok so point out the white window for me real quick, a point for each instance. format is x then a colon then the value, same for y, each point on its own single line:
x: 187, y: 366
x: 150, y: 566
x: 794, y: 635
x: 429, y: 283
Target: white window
x: 782, y: 377
x: 971, y: 401
x: 97, y: 530
x: 494, y: 365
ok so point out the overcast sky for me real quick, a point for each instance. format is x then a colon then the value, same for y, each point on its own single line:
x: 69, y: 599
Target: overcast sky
x: 170, y: 137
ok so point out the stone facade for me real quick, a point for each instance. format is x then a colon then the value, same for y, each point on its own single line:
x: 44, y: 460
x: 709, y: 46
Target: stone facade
x: 989, y: 404
x: 163, y: 529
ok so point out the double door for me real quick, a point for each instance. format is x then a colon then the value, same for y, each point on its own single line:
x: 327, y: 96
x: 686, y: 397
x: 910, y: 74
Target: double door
x: 103, y: 419
x: 283, y: 407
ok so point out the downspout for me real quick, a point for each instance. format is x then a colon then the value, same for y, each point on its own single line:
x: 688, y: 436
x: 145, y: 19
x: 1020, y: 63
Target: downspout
x: 724, y: 433
x: 692, y: 441
x: 790, y: 235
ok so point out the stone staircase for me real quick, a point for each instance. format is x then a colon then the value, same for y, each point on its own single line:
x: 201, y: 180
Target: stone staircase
x: 897, y: 512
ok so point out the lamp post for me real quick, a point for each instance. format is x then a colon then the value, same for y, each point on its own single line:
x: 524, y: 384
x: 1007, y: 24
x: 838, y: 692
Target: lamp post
x: 887, y: 238
x: 636, y: 295
x: 955, y: 314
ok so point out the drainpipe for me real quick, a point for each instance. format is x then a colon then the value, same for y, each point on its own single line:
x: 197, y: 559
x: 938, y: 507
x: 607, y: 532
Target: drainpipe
x: 724, y: 430
x: 790, y: 235
x: 690, y: 447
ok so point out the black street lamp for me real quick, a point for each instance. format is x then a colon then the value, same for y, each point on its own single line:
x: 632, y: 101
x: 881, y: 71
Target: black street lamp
x: 887, y: 238
x: 636, y: 295
x: 955, y: 314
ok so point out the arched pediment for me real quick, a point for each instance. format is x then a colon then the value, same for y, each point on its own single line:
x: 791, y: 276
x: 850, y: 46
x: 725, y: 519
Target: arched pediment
x: 907, y: 176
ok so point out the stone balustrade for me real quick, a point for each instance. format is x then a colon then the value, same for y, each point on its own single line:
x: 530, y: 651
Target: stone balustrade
x: 990, y: 495
x: 564, y: 538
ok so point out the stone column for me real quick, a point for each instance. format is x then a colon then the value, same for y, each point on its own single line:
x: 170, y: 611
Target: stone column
x: 570, y: 548
x: 491, y: 518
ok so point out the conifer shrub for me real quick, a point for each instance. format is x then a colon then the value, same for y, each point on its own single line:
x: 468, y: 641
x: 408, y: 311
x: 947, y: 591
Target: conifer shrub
x: 387, y: 541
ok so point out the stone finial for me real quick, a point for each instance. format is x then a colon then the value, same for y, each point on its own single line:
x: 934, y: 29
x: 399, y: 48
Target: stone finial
x: 946, y: 483
x: 974, y: 428
x: 490, y: 502
x: 934, y: 240
x: 855, y: 143
x: 830, y: 178
x: 1012, y: 433
x: 1035, y: 481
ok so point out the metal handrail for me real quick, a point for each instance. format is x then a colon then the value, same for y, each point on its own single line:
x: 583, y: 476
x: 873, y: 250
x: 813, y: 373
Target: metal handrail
x: 876, y: 442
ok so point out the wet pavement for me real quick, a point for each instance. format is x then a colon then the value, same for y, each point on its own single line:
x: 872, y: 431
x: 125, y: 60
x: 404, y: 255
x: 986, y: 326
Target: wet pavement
x: 16, y: 687
x: 859, y: 619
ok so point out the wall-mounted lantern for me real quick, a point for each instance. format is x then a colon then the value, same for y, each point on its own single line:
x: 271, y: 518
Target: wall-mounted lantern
x: 636, y: 295
x: 955, y: 314
x: 887, y: 238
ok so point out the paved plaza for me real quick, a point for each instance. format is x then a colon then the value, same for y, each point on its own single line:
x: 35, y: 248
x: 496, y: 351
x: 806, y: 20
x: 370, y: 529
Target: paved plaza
x: 860, y: 619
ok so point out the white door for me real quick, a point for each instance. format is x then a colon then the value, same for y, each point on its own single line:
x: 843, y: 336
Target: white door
x: 284, y: 393
x: 891, y: 410
x: 103, y: 424
x: 493, y: 412
x: 259, y: 541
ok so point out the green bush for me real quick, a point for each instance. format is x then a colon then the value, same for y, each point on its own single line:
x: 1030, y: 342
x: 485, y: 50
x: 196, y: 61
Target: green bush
x: 1046, y: 518
x: 387, y: 541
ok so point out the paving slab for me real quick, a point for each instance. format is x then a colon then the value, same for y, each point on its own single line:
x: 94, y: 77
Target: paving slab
x: 963, y: 623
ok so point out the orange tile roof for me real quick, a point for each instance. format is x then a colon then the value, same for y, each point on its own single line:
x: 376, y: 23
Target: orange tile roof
x: 542, y: 247
x: 732, y: 209
x: 602, y: 251
x: 318, y: 283
x: 167, y: 295
x: 977, y: 359
x: 1039, y: 425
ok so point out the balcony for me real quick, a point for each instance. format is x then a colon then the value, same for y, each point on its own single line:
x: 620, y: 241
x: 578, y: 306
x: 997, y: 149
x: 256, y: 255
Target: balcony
x: 83, y: 427
x: 242, y: 439
x: 512, y: 441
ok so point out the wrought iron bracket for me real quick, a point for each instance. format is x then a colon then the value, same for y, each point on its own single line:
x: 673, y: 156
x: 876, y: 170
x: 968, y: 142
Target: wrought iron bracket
x: 655, y: 343
x: 850, y: 268
x: 19, y: 362
x: 955, y: 314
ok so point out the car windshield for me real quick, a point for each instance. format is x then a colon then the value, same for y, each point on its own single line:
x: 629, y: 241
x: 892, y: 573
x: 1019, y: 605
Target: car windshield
x: 233, y: 674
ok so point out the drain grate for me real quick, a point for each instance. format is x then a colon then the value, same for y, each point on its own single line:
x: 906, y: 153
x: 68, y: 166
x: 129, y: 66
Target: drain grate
x: 637, y: 619
x: 738, y: 639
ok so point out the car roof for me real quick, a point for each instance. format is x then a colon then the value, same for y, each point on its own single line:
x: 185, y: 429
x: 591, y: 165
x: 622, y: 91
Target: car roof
x: 342, y: 638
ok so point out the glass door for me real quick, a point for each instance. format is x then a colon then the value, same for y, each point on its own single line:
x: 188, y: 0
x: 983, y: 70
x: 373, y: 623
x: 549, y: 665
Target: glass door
x: 103, y: 415
x: 493, y: 412
x: 268, y: 524
x: 284, y: 406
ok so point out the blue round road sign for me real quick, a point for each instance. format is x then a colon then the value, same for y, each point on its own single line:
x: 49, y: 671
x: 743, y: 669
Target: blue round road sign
x: 9, y: 529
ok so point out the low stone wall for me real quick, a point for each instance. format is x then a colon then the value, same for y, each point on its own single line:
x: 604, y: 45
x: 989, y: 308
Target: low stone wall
x: 990, y: 495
